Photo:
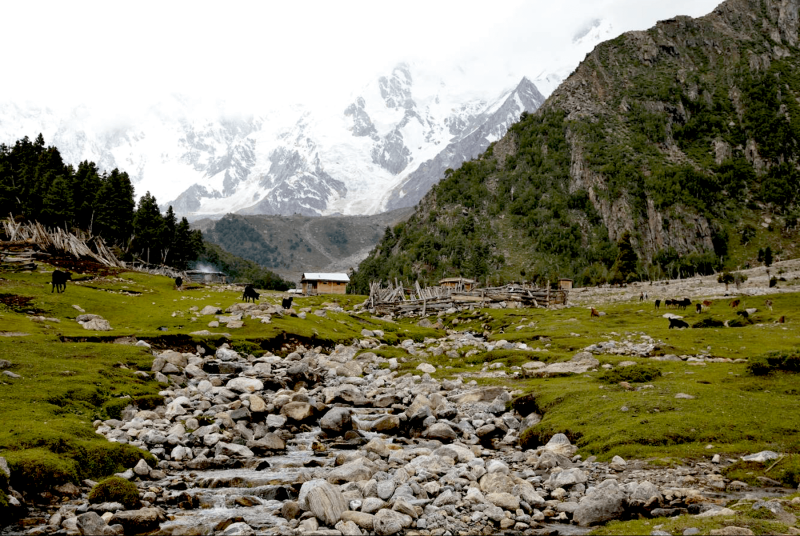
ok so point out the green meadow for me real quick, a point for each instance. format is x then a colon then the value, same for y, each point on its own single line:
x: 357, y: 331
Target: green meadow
x: 71, y: 376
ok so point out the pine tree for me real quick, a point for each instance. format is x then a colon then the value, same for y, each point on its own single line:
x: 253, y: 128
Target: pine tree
x: 57, y: 206
x: 114, y: 207
x: 624, y: 270
x: 148, y: 229
x: 768, y: 257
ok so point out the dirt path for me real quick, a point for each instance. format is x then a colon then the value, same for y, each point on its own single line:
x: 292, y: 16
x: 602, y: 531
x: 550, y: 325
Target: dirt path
x: 308, y: 237
x: 705, y: 287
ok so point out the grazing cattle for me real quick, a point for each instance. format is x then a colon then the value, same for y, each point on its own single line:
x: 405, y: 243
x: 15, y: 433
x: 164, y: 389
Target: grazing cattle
x: 683, y: 304
x: 735, y: 303
x: 768, y: 303
x: 178, y: 282
x: 60, y: 280
x: 594, y: 313
x: 641, y: 296
x: 658, y: 304
x: 669, y: 303
x: 699, y: 308
x: 677, y: 323
x: 706, y: 303
x: 286, y: 303
x: 782, y: 320
x: 743, y: 314
x: 250, y: 294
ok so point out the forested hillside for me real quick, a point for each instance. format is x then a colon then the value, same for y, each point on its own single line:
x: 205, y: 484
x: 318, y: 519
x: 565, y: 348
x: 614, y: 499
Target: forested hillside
x: 682, y: 141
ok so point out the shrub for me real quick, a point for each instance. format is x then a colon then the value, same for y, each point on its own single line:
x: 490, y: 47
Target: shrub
x: 709, y: 323
x: 247, y: 347
x: 115, y: 489
x: 39, y: 469
x: 635, y: 373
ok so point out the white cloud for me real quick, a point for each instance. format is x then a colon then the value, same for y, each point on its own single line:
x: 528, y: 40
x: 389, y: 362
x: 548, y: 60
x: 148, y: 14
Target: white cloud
x: 118, y: 57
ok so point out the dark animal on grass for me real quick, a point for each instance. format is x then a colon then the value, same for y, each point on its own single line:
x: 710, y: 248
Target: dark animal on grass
x: 782, y: 320
x: 60, y: 280
x: 178, y: 282
x: 706, y: 303
x: 768, y: 303
x: 658, y: 304
x: 669, y: 303
x: 683, y: 304
x: 735, y: 303
x: 699, y: 308
x: 641, y: 296
x: 677, y: 323
x: 250, y: 294
x: 743, y: 314
x: 286, y: 303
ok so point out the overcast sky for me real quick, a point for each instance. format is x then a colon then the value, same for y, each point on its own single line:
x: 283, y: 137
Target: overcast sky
x: 115, y: 55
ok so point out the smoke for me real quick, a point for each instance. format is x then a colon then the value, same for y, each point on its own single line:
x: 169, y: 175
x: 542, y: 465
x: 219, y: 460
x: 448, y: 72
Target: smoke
x: 205, y: 268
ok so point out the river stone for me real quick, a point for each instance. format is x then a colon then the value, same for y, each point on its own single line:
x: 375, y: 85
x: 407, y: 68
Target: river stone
x: 390, y: 424
x: 336, y: 421
x: 602, y: 503
x: 257, y: 404
x: 91, y: 523
x: 176, y: 358
x: 645, y: 491
x: 348, y: 528
x: 441, y: 431
x: 506, y: 501
x: 618, y: 464
x: 372, y: 504
x: 141, y: 468
x: 459, y: 453
x: 290, y: 510
x: 298, y: 411
x: 731, y: 531
x: 270, y: 441
x: 275, y: 421
x: 497, y: 483
x: 209, y: 310
x: 232, y: 449
x: 385, y: 489
x: 359, y: 469
x: 138, y: 521
x: 378, y: 446
x: 362, y: 519
x: 238, y: 529
x: 323, y: 500
x: 245, y: 385
x: 389, y: 522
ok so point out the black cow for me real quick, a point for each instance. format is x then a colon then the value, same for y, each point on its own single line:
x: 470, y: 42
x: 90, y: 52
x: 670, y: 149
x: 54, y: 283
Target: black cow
x: 250, y: 294
x: 677, y: 323
x: 178, y: 282
x: 683, y: 304
x: 658, y: 304
x: 698, y: 308
x: 286, y: 303
x: 60, y: 280
x: 668, y: 303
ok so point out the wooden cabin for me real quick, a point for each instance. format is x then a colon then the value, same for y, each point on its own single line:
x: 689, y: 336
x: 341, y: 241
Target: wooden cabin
x: 565, y: 284
x: 206, y: 277
x: 458, y: 283
x: 314, y: 283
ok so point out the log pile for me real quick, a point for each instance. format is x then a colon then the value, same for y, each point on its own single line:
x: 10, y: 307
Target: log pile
x: 33, y: 235
x: 395, y: 299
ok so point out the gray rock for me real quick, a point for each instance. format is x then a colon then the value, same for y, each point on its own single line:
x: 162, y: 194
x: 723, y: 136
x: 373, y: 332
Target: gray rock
x: 559, y: 444
x: 387, y: 522
x: 763, y: 456
x: 359, y: 469
x: 238, y: 529
x: 97, y: 324
x: 336, y: 421
x: 386, y: 489
x: 245, y: 385
x: 232, y: 449
x: 142, y: 469
x: 209, y: 310
x: 138, y: 521
x: 602, y: 503
x: 297, y: 411
x: 566, y: 478
x: 323, y: 500
x: 91, y: 523
x: 441, y: 431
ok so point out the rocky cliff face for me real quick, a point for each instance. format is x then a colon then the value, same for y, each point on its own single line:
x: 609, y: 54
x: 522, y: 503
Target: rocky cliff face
x: 680, y: 136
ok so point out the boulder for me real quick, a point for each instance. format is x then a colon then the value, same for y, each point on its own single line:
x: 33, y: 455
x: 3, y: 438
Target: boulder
x: 559, y: 444
x: 390, y: 424
x: 141, y: 468
x: 138, y: 521
x: 506, y: 501
x: 459, y: 453
x: 323, y: 500
x: 602, y: 503
x: 362, y: 519
x: 232, y: 449
x: 763, y: 456
x: 298, y: 411
x: 209, y: 310
x: 91, y: 523
x: 336, y: 421
x: 270, y: 441
x: 566, y: 478
x: 257, y: 404
x: 441, y: 431
x: 426, y: 367
x: 97, y: 324
x: 358, y: 469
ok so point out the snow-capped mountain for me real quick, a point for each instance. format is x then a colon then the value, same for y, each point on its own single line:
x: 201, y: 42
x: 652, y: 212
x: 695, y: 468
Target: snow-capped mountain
x: 382, y: 149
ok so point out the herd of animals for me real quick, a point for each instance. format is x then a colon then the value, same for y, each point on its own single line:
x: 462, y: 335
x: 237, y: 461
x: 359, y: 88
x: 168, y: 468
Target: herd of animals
x: 60, y: 279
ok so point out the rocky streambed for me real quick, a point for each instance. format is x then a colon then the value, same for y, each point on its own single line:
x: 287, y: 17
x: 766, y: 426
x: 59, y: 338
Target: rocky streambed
x: 340, y: 443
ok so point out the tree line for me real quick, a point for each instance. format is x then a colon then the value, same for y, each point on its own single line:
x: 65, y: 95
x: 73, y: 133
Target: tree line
x: 36, y: 185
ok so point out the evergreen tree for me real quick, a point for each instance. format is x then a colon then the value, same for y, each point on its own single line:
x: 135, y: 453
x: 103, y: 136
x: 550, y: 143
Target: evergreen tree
x: 86, y: 184
x: 149, y: 230
x: 57, y: 205
x: 624, y: 270
x: 114, y: 208
x: 768, y: 257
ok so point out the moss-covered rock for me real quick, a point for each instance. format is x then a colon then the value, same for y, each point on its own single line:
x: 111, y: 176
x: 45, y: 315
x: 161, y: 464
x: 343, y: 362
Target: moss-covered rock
x: 115, y: 489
